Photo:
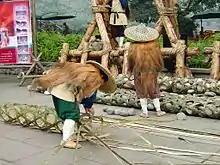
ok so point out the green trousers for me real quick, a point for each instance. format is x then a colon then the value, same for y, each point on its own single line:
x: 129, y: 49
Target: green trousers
x: 66, y: 109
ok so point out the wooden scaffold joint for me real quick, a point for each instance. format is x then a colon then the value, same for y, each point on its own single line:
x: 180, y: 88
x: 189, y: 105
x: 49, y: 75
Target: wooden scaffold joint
x: 100, y: 9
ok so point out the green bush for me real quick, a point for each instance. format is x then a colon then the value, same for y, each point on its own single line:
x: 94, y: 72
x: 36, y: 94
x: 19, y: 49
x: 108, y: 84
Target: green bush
x: 198, y: 61
x: 50, y: 44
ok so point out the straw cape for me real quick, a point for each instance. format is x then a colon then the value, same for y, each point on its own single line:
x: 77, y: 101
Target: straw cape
x: 141, y: 33
x: 109, y: 86
x: 75, y: 80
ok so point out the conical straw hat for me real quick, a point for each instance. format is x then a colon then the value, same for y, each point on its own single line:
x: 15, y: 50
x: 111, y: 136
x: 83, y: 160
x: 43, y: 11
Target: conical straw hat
x: 141, y: 33
x: 110, y: 85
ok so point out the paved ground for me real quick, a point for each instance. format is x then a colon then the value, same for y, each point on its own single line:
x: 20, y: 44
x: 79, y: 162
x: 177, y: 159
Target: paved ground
x: 24, y: 146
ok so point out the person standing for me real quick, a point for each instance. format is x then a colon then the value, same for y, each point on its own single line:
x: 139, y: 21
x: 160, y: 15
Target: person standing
x: 145, y: 62
x: 120, y: 13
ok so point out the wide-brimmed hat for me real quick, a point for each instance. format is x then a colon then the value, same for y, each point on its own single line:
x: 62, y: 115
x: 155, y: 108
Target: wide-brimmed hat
x: 141, y: 33
x: 110, y: 85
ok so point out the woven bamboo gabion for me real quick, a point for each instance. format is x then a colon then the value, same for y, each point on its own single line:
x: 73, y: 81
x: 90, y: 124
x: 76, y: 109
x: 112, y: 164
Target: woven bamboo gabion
x: 40, y: 117
x: 177, y: 85
x: 45, y: 118
x: 195, y: 105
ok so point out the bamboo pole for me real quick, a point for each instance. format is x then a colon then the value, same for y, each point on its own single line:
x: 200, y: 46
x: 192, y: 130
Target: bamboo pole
x: 215, y: 61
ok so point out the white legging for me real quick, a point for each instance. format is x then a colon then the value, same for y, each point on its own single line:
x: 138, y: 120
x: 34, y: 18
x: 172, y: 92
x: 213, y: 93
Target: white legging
x: 156, y: 103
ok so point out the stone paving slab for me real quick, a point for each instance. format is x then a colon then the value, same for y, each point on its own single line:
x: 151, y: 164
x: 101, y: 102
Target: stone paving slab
x: 3, y: 162
x: 13, y: 150
x: 24, y: 146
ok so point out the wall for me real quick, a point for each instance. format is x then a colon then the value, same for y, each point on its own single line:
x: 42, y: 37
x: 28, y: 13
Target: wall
x: 80, y: 8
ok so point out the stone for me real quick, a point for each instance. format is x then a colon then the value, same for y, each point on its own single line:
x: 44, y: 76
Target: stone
x: 131, y: 112
x: 109, y: 111
x: 150, y: 106
x: 181, y: 116
x: 210, y: 94
x: 123, y: 113
x: 190, y: 91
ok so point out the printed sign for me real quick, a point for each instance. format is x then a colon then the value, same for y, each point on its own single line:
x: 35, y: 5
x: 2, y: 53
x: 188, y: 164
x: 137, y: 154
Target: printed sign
x: 15, y: 32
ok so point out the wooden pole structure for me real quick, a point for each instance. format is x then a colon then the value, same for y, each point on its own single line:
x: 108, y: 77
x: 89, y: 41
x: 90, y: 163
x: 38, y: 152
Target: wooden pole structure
x: 215, y: 61
x: 104, y: 35
x: 168, y: 15
x: 34, y: 27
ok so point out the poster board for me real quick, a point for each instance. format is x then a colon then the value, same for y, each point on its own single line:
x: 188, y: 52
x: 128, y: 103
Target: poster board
x: 15, y: 32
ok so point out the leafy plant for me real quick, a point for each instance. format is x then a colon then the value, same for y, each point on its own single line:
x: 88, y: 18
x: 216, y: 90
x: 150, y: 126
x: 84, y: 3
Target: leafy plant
x: 50, y: 44
x: 198, y: 61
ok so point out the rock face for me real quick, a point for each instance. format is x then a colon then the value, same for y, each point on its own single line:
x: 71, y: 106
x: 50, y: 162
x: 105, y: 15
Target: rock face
x: 81, y: 9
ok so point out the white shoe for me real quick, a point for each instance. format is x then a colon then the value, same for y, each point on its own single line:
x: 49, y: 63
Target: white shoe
x: 46, y: 93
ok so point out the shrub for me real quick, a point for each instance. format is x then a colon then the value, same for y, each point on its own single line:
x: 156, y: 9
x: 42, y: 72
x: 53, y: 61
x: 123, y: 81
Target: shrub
x: 198, y: 61
x: 50, y: 44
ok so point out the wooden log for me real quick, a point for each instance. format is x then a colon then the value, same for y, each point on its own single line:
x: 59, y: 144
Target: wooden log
x: 106, y: 17
x: 173, y: 18
x: 192, y: 52
x: 125, y: 61
x: 113, y: 42
x: 85, y: 55
x: 166, y: 22
x: 90, y: 30
x: 64, y: 53
x: 104, y: 36
x: 120, y: 52
x: 180, y: 58
x: 215, y: 61
x: 113, y: 53
x: 159, y: 26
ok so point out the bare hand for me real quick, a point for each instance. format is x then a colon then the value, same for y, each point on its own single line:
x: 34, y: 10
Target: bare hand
x: 90, y: 111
